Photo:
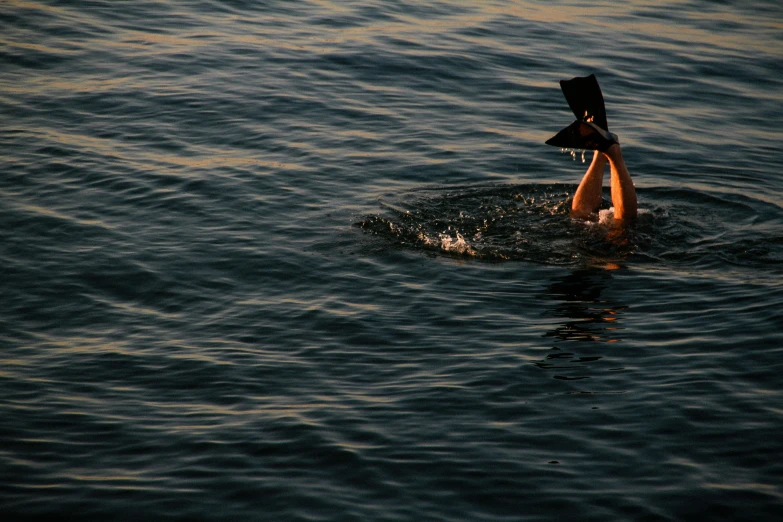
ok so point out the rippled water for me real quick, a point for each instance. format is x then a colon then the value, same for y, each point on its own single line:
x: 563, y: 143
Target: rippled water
x: 311, y: 260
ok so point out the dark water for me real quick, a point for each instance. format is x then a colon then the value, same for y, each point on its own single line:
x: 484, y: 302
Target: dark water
x: 311, y: 260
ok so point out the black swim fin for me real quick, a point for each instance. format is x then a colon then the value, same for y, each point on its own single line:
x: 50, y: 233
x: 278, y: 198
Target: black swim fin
x: 583, y: 135
x: 590, y: 130
x: 583, y: 95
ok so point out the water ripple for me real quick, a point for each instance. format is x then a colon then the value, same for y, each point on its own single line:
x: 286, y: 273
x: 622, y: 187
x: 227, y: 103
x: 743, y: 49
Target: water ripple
x: 193, y: 329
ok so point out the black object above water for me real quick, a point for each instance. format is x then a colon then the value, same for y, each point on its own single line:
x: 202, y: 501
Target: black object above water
x: 590, y: 130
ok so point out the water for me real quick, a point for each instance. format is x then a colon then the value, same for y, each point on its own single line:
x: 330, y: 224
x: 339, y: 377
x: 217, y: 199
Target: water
x: 311, y: 260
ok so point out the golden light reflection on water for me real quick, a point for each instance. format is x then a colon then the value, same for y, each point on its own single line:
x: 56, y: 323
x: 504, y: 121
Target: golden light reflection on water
x: 5, y: 42
x: 590, y: 17
x: 426, y: 30
x: 145, y: 158
x: 45, y: 85
x: 23, y: 4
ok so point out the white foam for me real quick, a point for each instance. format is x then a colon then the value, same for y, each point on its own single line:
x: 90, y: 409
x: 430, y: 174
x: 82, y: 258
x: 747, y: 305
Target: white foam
x: 606, y: 216
x: 457, y: 245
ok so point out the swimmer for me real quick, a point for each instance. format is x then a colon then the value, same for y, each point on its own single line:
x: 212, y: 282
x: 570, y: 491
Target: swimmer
x: 590, y: 131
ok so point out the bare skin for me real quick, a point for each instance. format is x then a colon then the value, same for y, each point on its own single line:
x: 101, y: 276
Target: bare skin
x: 587, y: 198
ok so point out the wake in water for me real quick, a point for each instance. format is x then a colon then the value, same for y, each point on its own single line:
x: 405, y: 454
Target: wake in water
x: 533, y: 223
x: 498, y: 223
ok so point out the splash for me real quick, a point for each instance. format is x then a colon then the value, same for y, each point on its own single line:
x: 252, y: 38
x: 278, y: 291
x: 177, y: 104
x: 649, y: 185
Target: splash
x: 606, y: 216
x: 532, y: 223
x: 456, y: 244
x: 495, y: 223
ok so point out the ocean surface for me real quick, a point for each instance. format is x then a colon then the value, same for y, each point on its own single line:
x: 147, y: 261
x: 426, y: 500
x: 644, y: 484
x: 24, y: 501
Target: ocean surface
x: 310, y: 260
